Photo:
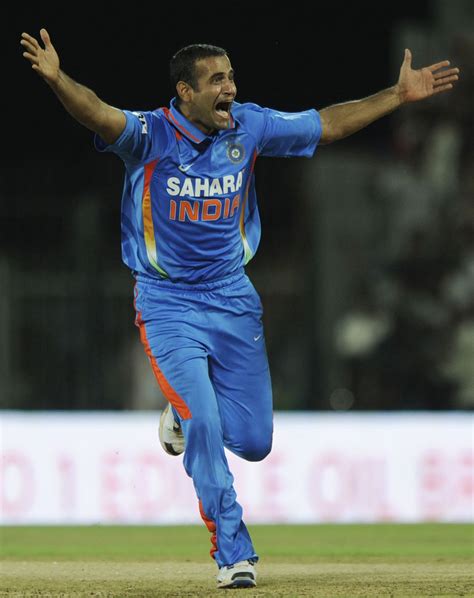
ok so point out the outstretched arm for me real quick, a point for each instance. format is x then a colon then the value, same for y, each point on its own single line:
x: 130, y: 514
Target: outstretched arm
x: 81, y: 102
x: 342, y: 120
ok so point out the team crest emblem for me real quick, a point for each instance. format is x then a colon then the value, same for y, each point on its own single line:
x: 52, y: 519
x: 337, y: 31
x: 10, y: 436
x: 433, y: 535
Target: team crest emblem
x: 235, y: 152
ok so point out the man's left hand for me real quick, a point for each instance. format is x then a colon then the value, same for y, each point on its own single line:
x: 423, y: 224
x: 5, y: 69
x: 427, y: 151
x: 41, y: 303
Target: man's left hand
x: 414, y: 85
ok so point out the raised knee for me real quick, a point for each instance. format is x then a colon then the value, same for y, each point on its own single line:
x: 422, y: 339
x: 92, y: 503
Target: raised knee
x: 257, y: 451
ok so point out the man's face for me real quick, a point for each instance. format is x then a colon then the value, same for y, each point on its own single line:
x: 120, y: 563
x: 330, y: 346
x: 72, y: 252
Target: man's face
x: 208, y: 104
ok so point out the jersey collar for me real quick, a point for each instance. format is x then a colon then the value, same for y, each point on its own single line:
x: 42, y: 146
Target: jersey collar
x: 186, y: 127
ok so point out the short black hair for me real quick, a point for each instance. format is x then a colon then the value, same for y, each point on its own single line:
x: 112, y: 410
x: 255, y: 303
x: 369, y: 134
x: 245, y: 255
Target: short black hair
x: 182, y: 65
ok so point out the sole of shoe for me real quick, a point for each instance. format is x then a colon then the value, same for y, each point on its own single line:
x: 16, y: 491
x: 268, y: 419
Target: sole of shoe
x: 166, y: 446
x: 239, y: 581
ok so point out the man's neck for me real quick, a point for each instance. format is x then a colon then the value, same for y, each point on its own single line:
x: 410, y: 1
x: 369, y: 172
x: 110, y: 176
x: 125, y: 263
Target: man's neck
x: 182, y: 110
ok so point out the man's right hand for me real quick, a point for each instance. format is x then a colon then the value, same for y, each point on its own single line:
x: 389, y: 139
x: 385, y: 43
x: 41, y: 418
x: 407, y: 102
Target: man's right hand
x: 81, y: 102
x: 44, y: 61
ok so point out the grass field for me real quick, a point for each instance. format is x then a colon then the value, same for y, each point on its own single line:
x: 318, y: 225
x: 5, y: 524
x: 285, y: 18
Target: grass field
x: 318, y: 560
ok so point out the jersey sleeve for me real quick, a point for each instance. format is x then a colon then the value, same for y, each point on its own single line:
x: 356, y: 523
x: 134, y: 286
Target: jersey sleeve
x: 281, y: 134
x: 290, y: 134
x: 144, y: 138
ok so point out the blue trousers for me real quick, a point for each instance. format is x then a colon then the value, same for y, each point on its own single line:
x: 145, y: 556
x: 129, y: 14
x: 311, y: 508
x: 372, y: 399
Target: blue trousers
x: 206, y: 345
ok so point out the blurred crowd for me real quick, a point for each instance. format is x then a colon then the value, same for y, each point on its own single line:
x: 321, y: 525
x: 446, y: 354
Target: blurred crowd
x: 401, y: 337
x: 408, y: 340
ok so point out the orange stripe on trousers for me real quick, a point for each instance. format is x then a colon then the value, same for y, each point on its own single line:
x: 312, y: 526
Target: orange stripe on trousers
x: 171, y: 395
x: 211, y: 526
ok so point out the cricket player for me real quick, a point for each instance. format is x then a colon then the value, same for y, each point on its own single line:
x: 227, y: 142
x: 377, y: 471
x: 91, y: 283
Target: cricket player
x: 190, y: 224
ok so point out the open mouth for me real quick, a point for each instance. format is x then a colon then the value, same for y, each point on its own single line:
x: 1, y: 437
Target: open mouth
x: 223, y: 109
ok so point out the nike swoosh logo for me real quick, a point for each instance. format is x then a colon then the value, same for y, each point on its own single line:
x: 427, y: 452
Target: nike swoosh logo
x: 184, y: 168
x: 255, y: 338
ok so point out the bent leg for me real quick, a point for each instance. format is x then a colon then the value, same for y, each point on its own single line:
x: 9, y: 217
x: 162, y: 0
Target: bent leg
x: 241, y: 378
x: 245, y: 403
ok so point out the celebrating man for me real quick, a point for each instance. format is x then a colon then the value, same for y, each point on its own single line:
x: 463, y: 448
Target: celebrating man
x: 190, y: 224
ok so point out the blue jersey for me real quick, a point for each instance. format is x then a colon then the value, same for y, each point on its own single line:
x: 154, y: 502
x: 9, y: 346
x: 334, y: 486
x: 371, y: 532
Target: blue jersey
x: 189, y: 207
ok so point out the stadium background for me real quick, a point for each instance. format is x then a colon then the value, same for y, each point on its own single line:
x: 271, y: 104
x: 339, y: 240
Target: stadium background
x: 366, y: 272
x: 366, y: 265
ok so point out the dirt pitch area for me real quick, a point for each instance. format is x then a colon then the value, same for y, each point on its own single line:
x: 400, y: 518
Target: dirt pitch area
x: 172, y: 579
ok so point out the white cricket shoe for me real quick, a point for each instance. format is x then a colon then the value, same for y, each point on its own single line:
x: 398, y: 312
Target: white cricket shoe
x: 170, y: 433
x: 239, y: 575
